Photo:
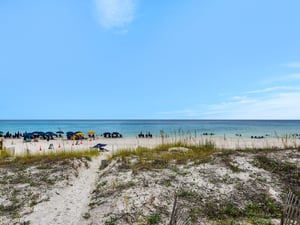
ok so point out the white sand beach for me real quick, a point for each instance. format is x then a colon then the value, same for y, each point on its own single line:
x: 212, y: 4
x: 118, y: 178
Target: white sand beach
x: 18, y: 146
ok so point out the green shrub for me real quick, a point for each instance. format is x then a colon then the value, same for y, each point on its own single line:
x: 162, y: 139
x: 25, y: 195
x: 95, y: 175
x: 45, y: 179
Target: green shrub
x: 153, y: 218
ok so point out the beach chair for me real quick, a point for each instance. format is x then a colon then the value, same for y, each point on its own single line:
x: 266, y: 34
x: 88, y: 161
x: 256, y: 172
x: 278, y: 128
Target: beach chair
x: 100, y: 147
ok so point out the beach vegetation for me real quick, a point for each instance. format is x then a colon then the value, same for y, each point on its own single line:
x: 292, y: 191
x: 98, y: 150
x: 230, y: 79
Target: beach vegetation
x: 164, y: 156
x: 261, y: 208
x: 4, y: 154
x: 111, y: 221
x: 227, y: 222
x: 188, y: 195
x: 153, y: 218
x: 213, y: 192
x: 287, y: 172
x: 32, y: 203
x: 227, y: 160
x: 260, y: 221
x: 252, y: 221
x: 25, y: 223
x: 288, y: 141
x: 26, y: 159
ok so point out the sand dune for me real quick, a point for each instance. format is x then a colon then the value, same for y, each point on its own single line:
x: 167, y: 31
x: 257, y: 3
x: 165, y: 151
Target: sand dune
x: 68, y: 203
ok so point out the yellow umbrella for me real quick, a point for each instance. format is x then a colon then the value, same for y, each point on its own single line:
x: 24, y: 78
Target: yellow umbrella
x: 79, y: 134
x: 91, y: 132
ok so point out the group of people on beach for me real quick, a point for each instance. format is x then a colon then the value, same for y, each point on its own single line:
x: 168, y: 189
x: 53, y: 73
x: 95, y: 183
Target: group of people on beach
x: 142, y: 135
x: 11, y: 135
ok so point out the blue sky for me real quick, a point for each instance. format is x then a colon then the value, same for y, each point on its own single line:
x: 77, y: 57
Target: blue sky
x: 138, y: 59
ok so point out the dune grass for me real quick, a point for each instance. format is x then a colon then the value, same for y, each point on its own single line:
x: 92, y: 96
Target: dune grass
x: 4, y: 154
x: 6, y: 159
x: 287, y: 172
x: 161, y: 156
x: 247, y: 202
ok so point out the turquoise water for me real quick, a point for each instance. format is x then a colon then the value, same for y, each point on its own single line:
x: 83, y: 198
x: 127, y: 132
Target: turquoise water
x: 130, y: 128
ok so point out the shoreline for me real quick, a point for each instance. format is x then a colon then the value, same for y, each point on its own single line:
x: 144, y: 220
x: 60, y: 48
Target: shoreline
x: 168, y: 128
x: 18, y: 146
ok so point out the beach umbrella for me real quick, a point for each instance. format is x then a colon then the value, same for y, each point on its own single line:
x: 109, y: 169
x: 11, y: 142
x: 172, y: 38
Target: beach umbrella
x: 28, y: 134
x: 49, y: 133
x: 60, y: 132
x: 70, y: 134
x: 79, y: 133
x: 91, y: 132
x: 38, y: 133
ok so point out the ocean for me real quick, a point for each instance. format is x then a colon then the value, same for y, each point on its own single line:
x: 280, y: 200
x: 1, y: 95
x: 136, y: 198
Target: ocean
x: 131, y: 128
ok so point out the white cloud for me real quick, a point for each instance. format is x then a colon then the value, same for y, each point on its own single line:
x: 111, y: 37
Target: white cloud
x: 274, y: 89
x: 274, y: 105
x: 289, y: 77
x: 115, y: 14
x: 280, y: 101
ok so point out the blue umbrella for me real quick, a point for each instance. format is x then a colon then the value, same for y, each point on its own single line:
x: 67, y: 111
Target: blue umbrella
x: 49, y: 133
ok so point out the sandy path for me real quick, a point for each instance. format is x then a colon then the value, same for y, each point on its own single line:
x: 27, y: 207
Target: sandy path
x: 66, y: 206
